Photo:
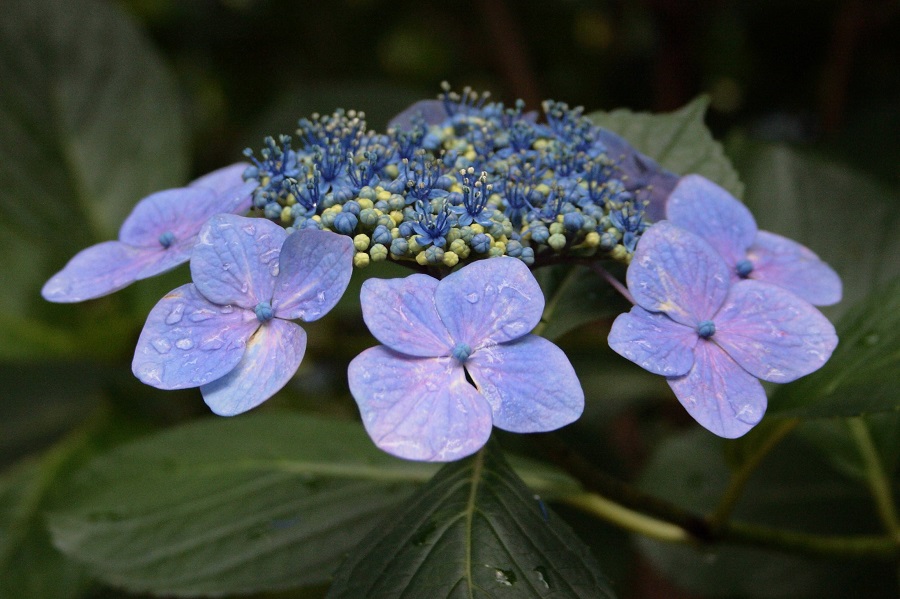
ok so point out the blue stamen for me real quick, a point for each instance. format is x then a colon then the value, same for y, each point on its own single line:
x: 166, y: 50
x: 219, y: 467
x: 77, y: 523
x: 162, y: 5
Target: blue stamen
x: 706, y: 329
x: 167, y: 239
x: 264, y: 312
x: 461, y: 351
x: 744, y: 268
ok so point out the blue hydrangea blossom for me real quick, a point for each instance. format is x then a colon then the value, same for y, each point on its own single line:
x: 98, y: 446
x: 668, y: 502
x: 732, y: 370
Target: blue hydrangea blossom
x: 711, y: 338
x: 230, y: 331
x: 413, y: 392
x: 157, y: 236
x: 704, y: 208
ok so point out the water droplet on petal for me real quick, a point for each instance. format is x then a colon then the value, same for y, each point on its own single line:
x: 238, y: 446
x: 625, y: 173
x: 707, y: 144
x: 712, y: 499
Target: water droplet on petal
x: 201, y: 315
x: 175, y: 315
x: 472, y: 298
x: 226, y: 266
x: 249, y: 229
x: 542, y: 576
x: 321, y: 297
x: 226, y: 309
x: 184, y: 344
x: 161, y: 345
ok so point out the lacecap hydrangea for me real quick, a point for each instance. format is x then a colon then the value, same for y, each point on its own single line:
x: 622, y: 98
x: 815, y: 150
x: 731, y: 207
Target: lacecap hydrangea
x: 471, y: 195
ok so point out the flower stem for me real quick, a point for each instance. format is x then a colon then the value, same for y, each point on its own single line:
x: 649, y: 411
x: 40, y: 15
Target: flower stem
x: 879, y: 482
x: 612, y: 281
x: 739, y: 478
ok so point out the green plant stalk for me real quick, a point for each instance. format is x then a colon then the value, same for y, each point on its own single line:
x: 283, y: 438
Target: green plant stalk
x: 739, y: 478
x: 881, y: 547
x: 877, y: 478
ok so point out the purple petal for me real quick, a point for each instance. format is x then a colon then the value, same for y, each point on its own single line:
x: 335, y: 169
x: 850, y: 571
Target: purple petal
x: 96, y: 271
x: 772, y: 333
x: 702, y: 207
x: 272, y: 357
x: 786, y: 263
x: 432, y: 111
x: 719, y: 394
x: 676, y: 272
x: 233, y: 194
x: 181, y: 211
x: 188, y: 341
x: 419, y: 408
x: 654, y: 342
x: 490, y: 301
x: 313, y: 273
x: 529, y: 383
x: 639, y: 173
x: 235, y: 260
x: 222, y: 179
x: 401, y: 314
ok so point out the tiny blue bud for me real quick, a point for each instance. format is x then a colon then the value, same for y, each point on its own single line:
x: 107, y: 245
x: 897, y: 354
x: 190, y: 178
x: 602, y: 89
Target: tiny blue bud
x: 345, y: 222
x: 264, y: 312
x: 706, y: 329
x: 573, y: 221
x: 273, y: 210
x: 352, y: 207
x: 167, y: 239
x: 406, y: 228
x: 514, y: 249
x: 481, y: 243
x: 399, y: 247
x: 539, y: 233
x: 744, y: 268
x: 527, y: 256
x: 382, y: 235
x: 461, y: 352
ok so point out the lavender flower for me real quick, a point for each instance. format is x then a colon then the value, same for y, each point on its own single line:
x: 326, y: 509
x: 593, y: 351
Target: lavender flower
x: 457, y: 358
x: 704, y: 208
x: 713, y: 339
x: 230, y: 331
x: 157, y: 236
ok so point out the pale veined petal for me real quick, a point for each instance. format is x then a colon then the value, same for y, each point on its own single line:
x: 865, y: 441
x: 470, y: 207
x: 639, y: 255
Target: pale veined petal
x: 401, y: 314
x: 720, y: 395
x: 529, y: 383
x: 271, y: 358
x: 188, y: 341
x: 418, y: 408
x: 772, y: 333
x: 235, y: 260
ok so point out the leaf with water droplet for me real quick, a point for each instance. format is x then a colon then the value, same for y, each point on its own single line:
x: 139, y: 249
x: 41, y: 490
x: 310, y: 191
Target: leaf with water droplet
x: 474, y: 530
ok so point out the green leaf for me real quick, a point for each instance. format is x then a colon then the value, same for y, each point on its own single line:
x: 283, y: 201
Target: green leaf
x: 796, y: 490
x: 678, y: 140
x: 861, y: 376
x: 850, y: 220
x: 30, y: 568
x: 575, y: 296
x: 475, y: 530
x: 89, y: 124
x: 237, y: 505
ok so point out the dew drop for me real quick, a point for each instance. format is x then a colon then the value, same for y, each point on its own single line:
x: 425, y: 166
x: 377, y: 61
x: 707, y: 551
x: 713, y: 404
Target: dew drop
x: 505, y: 578
x: 175, y: 315
x: 249, y: 229
x: 244, y: 287
x: 320, y: 297
x: 185, y: 343
x: 472, y: 298
x: 161, y: 345
x: 201, y: 315
x: 543, y: 577
x: 227, y: 309
x: 226, y: 266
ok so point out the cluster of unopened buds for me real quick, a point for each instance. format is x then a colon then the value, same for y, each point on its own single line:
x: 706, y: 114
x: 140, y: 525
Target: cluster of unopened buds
x: 472, y: 196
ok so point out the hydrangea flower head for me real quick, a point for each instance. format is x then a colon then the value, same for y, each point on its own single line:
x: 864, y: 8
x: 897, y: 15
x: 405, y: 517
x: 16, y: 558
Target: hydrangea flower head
x: 710, y: 337
x: 230, y: 331
x: 704, y: 208
x: 458, y: 359
x: 157, y: 236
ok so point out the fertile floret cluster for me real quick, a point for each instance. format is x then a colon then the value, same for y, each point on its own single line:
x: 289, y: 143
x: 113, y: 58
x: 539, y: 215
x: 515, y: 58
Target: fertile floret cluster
x: 455, y: 180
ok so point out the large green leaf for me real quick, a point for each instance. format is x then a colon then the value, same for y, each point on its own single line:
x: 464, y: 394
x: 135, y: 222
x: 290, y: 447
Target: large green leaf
x: 796, y: 490
x: 89, y: 124
x: 246, y: 504
x: 678, y: 140
x: 861, y: 376
x: 474, y: 531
